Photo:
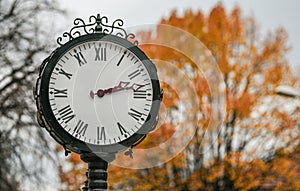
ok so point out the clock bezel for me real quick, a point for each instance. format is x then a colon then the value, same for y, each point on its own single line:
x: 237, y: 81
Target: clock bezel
x: 71, y: 142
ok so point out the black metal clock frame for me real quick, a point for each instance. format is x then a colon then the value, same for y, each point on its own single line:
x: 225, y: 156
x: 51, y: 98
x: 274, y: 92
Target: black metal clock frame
x: 46, y: 114
x: 97, y: 156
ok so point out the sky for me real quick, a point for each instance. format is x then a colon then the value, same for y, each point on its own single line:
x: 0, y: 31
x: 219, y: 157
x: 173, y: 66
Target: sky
x: 269, y: 14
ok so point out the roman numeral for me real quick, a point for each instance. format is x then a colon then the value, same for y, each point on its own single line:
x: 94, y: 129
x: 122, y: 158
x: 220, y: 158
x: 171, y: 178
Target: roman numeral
x: 80, y: 128
x: 122, y: 129
x: 134, y: 74
x: 60, y: 93
x: 121, y: 58
x: 139, y: 94
x: 80, y: 58
x: 66, y: 114
x: 136, y: 114
x: 101, y: 133
x: 100, y: 54
x: 61, y: 71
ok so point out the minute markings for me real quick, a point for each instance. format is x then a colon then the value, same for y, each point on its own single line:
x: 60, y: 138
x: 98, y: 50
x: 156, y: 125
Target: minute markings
x: 66, y: 74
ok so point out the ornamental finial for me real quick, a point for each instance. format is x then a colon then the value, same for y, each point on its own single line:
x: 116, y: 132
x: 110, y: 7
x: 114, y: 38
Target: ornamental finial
x: 98, y: 28
x: 97, y: 24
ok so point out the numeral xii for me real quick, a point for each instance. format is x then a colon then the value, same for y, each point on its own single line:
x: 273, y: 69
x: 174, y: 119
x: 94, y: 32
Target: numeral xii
x: 100, y: 54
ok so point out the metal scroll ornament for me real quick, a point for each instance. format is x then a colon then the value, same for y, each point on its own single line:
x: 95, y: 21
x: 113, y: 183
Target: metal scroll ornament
x: 97, y: 24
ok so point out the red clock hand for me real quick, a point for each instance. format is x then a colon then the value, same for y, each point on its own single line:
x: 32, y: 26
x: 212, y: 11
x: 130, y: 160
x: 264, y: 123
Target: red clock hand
x: 121, y: 86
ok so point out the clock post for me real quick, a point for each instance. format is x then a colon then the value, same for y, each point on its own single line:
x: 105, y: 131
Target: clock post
x: 80, y: 90
x: 97, y: 171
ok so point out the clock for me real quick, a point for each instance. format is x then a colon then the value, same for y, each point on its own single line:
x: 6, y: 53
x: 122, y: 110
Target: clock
x: 98, y: 93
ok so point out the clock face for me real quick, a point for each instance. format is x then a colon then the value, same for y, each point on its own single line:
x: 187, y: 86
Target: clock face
x: 99, y: 91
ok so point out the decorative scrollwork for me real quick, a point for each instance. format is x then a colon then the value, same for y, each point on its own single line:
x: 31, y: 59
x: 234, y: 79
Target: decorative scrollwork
x: 97, y: 24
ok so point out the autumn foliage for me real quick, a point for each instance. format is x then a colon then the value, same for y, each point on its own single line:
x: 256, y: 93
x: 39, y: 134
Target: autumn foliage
x: 257, y: 145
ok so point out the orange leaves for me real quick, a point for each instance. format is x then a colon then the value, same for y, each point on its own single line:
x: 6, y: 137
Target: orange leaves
x: 232, y: 156
x: 217, y: 25
x: 171, y: 97
x: 194, y: 182
x: 243, y: 105
x: 284, y: 171
x: 72, y: 177
x: 158, y: 136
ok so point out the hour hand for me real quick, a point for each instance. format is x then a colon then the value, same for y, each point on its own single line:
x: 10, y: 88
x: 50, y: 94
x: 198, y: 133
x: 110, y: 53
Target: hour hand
x: 121, y: 86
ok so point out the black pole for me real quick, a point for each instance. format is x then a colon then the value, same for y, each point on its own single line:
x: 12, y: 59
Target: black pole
x: 97, y: 170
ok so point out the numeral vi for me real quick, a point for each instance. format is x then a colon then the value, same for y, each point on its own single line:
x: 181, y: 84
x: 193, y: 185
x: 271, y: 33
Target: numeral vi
x: 101, y: 133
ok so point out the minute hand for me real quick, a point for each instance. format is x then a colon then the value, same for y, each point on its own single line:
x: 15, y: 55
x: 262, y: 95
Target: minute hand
x: 121, y: 86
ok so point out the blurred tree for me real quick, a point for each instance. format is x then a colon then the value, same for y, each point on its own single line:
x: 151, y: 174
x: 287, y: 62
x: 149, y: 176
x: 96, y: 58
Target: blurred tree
x: 257, y: 144
x: 23, y: 44
x: 259, y: 134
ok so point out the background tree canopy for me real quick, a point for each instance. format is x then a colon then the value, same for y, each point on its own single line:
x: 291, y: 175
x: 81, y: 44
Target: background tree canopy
x: 24, y: 148
x: 256, y: 147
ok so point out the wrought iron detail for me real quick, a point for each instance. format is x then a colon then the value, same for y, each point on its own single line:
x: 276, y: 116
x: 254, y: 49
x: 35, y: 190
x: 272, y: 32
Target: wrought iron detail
x: 97, y: 24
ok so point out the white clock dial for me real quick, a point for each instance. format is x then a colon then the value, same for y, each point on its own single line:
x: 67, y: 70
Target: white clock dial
x: 100, y: 92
